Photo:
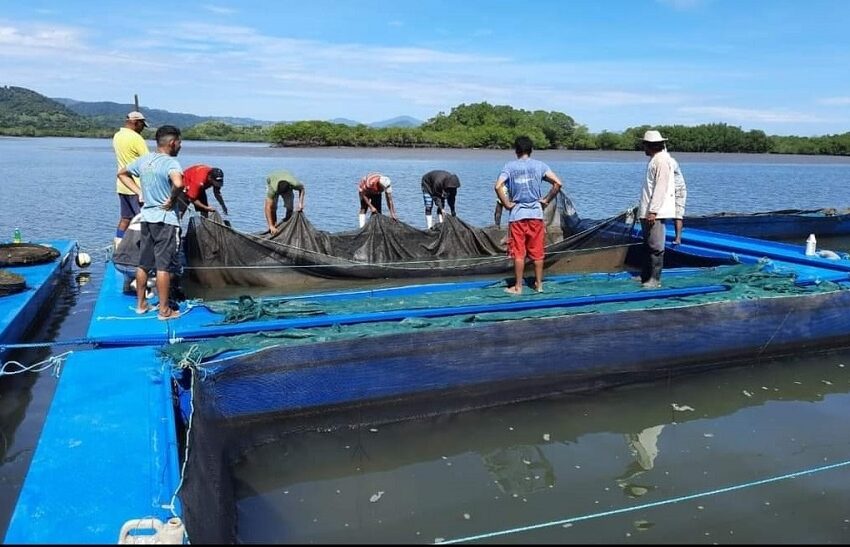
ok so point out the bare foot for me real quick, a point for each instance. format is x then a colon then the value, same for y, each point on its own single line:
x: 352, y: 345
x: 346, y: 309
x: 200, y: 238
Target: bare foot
x: 538, y: 288
x: 514, y: 290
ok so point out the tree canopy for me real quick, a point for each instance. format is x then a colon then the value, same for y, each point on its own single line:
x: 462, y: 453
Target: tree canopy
x: 478, y: 125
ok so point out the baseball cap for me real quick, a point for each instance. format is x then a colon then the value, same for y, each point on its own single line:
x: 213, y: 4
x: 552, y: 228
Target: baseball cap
x: 136, y: 116
x: 216, y: 177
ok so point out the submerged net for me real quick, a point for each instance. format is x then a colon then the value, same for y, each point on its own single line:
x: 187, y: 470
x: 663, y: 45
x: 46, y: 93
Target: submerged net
x: 22, y: 254
x: 217, y: 255
x: 251, y: 389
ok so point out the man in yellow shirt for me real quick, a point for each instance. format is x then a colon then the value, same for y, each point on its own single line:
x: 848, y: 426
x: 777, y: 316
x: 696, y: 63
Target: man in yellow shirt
x: 128, y: 144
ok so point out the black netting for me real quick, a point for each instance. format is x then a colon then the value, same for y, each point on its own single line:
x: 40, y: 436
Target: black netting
x: 11, y: 283
x: 20, y: 254
x: 300, y: 256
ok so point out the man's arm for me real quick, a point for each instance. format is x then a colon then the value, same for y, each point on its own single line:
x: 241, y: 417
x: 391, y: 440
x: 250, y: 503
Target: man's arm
x: 176, y: 178
x: 271, y: 212
x: 199, y: 206
x: 391, y: 205
x: 553, y: 179
x: 220, y: 199
x: 502, y: 194
x: 365, y: 197
x: 301, y: 193
x: 128, y: 181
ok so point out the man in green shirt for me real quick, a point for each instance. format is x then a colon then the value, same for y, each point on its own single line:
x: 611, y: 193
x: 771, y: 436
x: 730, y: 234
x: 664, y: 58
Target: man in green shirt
x: 282, y: 184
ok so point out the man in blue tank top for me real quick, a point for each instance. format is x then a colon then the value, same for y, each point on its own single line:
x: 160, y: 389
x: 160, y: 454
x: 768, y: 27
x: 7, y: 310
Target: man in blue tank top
x: 519, y: 188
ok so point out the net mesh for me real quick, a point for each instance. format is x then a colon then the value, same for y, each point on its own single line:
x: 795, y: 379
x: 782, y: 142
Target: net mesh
x: 254, y: 388
x: 21, y: 254
x: 11, y: 283
x: 299, y: 256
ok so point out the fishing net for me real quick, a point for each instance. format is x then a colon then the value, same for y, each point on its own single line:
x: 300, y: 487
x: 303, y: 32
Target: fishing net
x: 250, y: 389
x: 22, y: 254
x: 300, y: 257
x: 11, y: 283
x: 786, y: 224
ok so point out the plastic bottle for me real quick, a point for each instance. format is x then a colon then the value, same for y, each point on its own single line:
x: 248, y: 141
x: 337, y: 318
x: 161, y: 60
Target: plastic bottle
x: 811, y: 245
x: 16, y: 238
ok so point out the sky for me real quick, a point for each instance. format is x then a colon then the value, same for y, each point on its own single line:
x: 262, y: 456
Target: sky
x: 776, y: 65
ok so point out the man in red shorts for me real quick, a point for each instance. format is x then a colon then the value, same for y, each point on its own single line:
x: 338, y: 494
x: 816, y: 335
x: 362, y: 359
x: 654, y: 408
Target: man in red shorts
x: 197, y: 179
x: 519, y: 189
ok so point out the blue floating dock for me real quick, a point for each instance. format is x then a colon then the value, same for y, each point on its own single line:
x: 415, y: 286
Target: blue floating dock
x: 18, y: 311
x: 107, y: 454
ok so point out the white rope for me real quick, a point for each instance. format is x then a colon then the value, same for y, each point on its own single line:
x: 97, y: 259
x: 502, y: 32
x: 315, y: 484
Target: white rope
x: 10, y: 368
x: 191, y: 360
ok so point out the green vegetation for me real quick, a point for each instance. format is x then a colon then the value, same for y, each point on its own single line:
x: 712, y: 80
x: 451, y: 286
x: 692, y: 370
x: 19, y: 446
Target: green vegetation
x: 220, y: 131
x: 480, y: 125
x: 25, y: 113
x: 483, y: 125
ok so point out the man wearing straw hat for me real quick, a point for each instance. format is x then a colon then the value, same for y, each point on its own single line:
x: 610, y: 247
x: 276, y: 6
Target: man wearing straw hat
x: 657, y: 203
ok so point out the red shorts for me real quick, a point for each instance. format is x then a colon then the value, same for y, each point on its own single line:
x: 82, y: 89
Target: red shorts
x: 526, y: 236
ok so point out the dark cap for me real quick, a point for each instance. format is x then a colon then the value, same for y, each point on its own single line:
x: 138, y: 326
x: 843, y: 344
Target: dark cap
x: 216, y: 177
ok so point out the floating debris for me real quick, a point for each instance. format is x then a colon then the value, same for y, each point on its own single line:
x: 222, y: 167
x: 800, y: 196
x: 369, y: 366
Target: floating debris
x: 467, y: 516
x: 708, y: 435
x: 642, y: 525
x: 747, y: 393
x: 827, y: 382
x: 376, y: 497
x: 546, y: 437
x: 681, y: 408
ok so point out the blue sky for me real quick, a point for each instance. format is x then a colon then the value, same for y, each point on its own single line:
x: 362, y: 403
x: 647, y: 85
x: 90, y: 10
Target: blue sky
x: 781, y: 66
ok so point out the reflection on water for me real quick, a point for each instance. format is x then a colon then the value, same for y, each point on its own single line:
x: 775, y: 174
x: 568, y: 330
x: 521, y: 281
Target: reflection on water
x: 529, y: 463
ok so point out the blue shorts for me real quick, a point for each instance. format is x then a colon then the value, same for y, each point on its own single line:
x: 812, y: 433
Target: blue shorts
x: 130, y: 205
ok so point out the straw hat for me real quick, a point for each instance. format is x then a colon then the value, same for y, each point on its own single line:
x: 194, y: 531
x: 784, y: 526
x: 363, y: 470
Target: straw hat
x: 653, y: 136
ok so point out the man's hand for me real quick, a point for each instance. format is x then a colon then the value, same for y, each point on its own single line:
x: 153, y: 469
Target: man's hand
x: 272, y: 230
x: 168, y: 205
x: 650, y: 218
x: 374, y: 211
x: 224, y: 210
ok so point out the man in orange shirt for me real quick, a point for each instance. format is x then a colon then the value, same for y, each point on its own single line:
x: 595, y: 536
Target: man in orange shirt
x: 196, y: 180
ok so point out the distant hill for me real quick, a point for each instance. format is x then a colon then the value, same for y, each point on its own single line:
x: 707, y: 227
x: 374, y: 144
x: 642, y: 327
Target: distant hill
x: 400, y: 121
x: 27, y: 113
x: 113, y: 114
x: 346, y: 121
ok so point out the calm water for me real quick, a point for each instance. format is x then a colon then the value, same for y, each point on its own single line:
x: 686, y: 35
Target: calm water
x: 488, y: 470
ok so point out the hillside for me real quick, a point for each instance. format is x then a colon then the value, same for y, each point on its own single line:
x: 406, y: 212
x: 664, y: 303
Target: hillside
x: 112, y: 114
x: 26, y: 113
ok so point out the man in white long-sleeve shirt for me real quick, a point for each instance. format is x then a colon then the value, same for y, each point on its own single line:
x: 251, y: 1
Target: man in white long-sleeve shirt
x: 657, y: 203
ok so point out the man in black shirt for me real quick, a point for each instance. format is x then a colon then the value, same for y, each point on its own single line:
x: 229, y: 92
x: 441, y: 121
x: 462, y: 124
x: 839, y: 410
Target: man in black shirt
x: 439, y: 187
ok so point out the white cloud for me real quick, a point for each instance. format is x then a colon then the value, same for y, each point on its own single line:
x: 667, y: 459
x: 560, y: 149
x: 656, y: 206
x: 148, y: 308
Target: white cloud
x: 835, y: 101
x: 40, y: 37
x: 733, y: 114
x: 219, y: 10
x: 214, y: 69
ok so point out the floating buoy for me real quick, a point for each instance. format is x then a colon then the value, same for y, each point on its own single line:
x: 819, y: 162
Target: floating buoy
x: 83, y: 260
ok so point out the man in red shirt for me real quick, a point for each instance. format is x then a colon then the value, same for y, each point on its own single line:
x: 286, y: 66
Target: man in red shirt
x: 196, y: 180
